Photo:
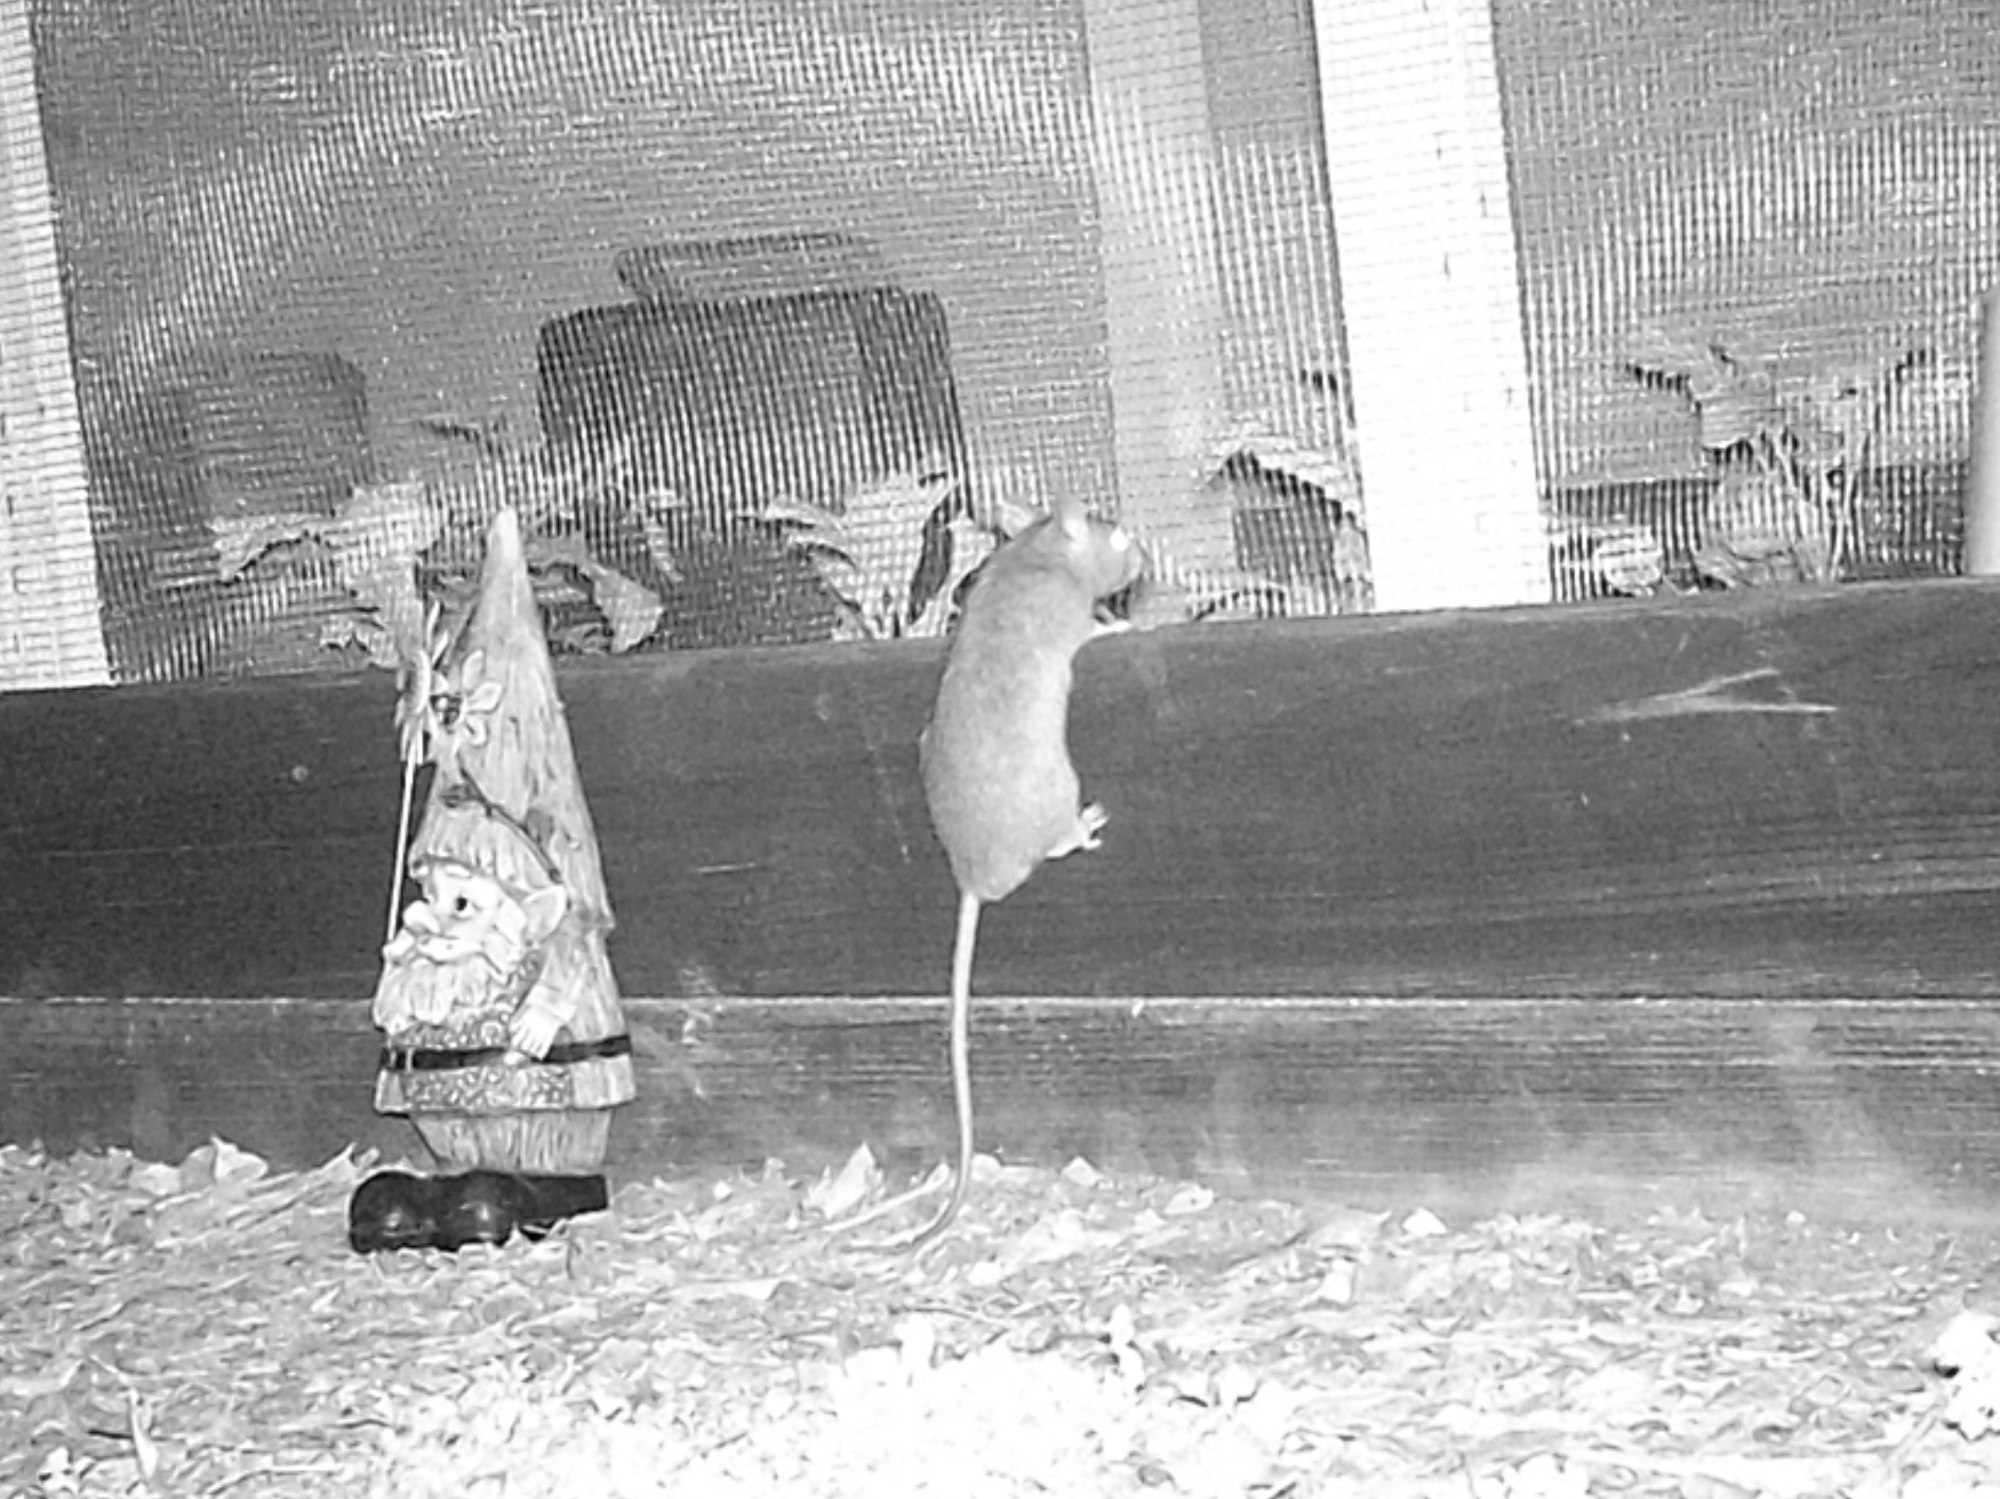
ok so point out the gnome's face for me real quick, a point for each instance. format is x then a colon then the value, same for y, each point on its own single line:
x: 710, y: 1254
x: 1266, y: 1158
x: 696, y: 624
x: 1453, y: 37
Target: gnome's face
x: 467, y: 914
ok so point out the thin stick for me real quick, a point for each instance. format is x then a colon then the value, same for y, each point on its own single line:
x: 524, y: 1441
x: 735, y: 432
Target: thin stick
x: 402, y: 839
x: 413, y: 750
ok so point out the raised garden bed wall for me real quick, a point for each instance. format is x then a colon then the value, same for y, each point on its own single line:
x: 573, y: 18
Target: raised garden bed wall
x: 1692, y: 892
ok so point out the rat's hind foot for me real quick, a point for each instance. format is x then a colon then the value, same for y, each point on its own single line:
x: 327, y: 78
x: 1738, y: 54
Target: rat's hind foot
x: 1089, y: 822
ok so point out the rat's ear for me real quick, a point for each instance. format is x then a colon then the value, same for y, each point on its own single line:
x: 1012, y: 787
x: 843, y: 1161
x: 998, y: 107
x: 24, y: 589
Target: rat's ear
x: 1010, y: 517
x: 1071, y: 516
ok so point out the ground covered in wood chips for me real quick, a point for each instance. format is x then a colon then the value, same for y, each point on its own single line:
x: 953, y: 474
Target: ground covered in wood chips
x: 202, y: 1329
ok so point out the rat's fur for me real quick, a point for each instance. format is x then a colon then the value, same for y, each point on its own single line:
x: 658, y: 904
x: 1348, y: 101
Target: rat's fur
x: 1002, y: 791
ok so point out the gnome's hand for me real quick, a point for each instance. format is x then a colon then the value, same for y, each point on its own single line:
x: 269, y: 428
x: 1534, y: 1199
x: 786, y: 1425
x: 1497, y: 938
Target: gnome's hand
x: 533, y: 1030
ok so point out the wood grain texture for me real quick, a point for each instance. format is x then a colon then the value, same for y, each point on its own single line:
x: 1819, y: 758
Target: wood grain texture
x: 1872, y: 1110
x: 1690, y: 897
x: 1759, y: 796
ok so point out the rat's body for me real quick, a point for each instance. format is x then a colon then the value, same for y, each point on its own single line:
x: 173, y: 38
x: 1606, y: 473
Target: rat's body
x: 1003, y: 794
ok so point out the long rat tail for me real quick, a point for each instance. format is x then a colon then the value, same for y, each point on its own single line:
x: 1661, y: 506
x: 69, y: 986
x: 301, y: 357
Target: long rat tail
x: 961, y: 1067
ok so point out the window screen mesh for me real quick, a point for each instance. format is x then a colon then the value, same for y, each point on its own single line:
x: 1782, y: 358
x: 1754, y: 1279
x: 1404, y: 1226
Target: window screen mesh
x: 768, y: 315
x: 753, y: 308
x: 1811, y: 187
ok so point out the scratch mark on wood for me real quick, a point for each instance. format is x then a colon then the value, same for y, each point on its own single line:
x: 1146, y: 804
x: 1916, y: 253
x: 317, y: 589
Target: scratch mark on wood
x: 1717, y: 695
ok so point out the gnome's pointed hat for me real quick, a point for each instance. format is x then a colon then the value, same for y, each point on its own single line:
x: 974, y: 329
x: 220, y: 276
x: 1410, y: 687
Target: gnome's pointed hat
x: 508, y: 742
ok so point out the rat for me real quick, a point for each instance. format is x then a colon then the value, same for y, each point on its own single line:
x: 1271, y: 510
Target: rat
x: 1002, y: 791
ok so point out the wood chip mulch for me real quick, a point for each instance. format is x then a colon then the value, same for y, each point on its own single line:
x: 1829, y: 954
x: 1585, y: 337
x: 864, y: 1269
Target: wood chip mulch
x: 202, y: 1329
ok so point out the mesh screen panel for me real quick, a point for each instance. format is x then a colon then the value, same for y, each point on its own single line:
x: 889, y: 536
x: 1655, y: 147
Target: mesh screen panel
x: 318, y: 251
x: 770, y: 316
x: 1813, y: 186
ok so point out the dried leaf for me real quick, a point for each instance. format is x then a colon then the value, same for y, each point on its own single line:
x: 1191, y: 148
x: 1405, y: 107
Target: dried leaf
x: 836, y: 1194
x: 632, y: 609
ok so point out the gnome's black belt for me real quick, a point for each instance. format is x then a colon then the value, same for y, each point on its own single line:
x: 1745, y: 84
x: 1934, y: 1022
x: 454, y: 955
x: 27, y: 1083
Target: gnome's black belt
x: 410, y: 1059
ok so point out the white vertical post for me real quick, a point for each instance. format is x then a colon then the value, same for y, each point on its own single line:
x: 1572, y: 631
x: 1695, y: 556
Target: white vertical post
x: 1154, y: 168
x: 1982, y: 472
x: 1431, y: 294
x: 51, y: 630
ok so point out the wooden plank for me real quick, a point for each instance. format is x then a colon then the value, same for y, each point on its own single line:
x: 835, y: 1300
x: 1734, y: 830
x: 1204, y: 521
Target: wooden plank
x: 1422, y: 200
x: 1683, y: 900
x: 1766, y: 796
x: 50, y: 620
x: 1871, y: 1110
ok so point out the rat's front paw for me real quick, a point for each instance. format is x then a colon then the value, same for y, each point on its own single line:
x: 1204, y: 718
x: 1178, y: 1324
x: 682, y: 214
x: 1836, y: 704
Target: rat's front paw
x: 1083, y: 833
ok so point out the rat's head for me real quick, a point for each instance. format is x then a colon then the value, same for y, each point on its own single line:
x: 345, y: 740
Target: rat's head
x: 1104, y: 555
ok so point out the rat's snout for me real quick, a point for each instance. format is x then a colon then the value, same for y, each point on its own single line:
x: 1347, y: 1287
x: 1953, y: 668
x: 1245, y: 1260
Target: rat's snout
x: 1140, y: 565
x: 1136, y: 561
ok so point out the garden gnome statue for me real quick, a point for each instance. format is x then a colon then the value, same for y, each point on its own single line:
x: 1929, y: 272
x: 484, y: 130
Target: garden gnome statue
x: 505, y: 1043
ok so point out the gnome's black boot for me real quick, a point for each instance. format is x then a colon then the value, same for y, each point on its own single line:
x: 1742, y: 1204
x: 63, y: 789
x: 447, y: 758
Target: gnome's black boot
x: 393, y: 1210
x: 486, y: 1207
